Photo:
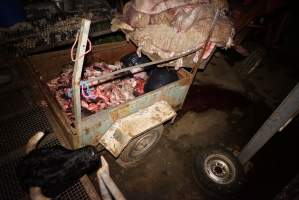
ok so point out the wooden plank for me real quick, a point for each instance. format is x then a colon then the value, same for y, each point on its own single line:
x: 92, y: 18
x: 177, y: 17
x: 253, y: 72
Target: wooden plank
x: 82, y: 43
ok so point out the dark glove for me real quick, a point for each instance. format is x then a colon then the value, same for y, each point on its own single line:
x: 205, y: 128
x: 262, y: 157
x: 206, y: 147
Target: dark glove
x: 54, y: 169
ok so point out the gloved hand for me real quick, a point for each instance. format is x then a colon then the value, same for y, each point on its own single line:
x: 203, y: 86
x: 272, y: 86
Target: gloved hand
x: 54, y: 169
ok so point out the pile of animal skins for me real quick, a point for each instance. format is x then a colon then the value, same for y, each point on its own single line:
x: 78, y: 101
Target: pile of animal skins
x: 96, y: 96
x: 172, y: 27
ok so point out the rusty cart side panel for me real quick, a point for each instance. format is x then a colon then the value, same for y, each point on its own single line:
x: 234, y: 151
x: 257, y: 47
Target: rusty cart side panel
x: 118, y: 136
x: 94, y: 126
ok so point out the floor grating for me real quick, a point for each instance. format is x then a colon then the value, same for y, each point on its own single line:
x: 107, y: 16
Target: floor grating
x: 14, y: 133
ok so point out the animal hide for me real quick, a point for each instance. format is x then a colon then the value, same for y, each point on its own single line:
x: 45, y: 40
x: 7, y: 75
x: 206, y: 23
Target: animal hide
x: 165, y: 41
x: 172, y: 27
x: 158, y: 6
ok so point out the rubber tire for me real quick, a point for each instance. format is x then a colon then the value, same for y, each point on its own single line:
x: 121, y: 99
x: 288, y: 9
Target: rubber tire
x: 126, y: 160
x: 212, y: 188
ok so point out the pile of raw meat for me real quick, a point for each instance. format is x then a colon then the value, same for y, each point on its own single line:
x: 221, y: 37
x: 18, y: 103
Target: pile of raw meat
x: 172, y: 27
x: 96, y: 96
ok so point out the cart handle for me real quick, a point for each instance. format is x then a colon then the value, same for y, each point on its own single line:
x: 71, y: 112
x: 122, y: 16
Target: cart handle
x: 106, y: 76
x: 216, y: 16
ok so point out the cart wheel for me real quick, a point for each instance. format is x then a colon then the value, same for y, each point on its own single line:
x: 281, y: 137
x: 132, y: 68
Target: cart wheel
x: 140, y: 146
x: 218, y: 172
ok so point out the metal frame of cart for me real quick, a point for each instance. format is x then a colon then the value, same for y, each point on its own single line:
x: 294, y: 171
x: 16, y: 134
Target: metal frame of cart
x: 115, y: 127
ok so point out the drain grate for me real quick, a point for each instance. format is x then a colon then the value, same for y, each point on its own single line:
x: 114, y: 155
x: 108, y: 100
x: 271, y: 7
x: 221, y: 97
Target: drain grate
x: 75, y: 192
x: 10, y: 188
x: 14, y: 133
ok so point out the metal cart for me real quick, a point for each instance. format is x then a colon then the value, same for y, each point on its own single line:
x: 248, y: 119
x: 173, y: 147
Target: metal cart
x: 127, y: 131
